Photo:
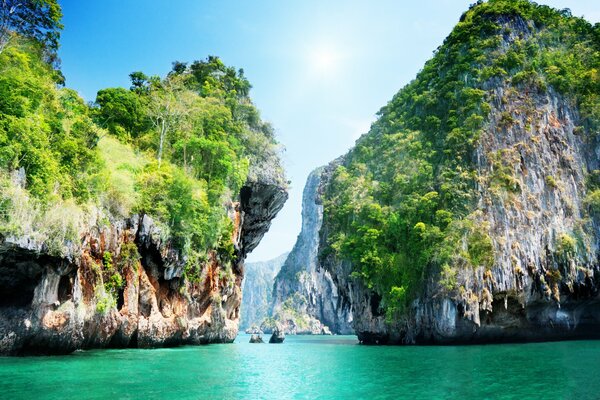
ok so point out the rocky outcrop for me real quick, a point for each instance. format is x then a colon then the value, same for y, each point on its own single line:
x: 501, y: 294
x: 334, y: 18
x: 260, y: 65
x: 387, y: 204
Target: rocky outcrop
x: 278, y: 336
x: 260, y: 203
x: 256, y: 338
x: 254, y: 330
x: 536, y: 289
x: 305, y: 298
x: 258, y: 289
x: 59, y: 304
x: 532, y: 162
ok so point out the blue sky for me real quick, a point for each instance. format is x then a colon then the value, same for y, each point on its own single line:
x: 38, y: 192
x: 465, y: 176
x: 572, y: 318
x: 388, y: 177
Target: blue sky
x: 320, y: 70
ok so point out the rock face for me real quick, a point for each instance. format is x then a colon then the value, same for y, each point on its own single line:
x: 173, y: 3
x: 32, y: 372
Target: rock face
x: 544, y: 280
x: 305, y: 298
x: 258, y: 289
x: 254, y: 329
x: 278, y: 336
x: 256, y: 338
x: 57, y: 305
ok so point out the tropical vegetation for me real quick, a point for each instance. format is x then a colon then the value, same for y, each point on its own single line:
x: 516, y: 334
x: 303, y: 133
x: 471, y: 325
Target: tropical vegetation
x: 177, y: 148
x: 402, y: 203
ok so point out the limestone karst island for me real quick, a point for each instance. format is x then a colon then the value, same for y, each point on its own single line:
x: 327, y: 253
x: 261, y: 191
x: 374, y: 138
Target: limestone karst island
x: 300, y: 200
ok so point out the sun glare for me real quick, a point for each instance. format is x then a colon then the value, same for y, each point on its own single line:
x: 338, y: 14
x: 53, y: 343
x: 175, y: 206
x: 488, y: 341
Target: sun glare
x: 323, y: 60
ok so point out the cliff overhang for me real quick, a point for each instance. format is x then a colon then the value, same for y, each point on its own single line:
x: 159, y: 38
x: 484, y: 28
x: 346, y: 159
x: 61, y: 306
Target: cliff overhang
x: 58, y: 304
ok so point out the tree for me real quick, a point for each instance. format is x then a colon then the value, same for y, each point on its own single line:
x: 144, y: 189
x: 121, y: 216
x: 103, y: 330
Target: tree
x: 121, y: 111
x: 179, y: 67
x: 139, y: 82
x: 35, y: 19
x: 212, y: 74
x: 169, y: 104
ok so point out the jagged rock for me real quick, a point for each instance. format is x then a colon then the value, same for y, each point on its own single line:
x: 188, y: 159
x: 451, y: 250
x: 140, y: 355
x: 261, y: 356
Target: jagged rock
x: 255, y: 330
x: 52, y: 304
x: 304, y: 293
x: 256, y: 339
x: 260, y: 203
x: 278, y: 336
x: 257, y: 289
x: 325, y: 331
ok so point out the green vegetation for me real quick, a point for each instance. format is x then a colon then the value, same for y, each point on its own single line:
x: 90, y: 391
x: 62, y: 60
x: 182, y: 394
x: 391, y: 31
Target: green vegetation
x: 402, y: 205
x: 122, y: 166
x: 192, y: 137
x: 592, y: 200
x: 292, y: 309
x: 38, y: 20
x: 43, y: 129
x: 56, y: 225
x: 46, y: 133
x: 113, y: 274
x: 104, y: 303
x: 112, y: 278
x: 551, y: 182
x: 566, y: 246
x: 177, y: 148
x: 503, y: 177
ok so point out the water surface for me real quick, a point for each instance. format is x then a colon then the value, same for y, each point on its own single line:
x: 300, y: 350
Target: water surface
x: 307, y: 367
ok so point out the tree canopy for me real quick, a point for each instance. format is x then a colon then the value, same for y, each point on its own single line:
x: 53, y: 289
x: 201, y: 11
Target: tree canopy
x: 204, y: 133
x: 35, y: 19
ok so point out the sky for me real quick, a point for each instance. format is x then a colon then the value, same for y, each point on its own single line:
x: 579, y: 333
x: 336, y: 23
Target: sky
x: 320, y: 70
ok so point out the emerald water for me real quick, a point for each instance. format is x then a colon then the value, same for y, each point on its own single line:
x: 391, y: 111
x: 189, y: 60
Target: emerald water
x: 308, y: 367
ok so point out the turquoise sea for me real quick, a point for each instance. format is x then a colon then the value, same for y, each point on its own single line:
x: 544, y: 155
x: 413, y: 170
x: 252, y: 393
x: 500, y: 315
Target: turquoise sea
x: 311, y: 367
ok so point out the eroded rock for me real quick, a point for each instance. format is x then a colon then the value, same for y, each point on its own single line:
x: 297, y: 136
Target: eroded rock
x: 57, y: 305
x: 278, y: 336
x: 256, y: 338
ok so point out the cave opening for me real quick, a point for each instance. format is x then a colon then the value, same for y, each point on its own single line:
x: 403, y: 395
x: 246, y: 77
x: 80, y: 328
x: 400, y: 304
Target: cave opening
x: 133, y: 342
x: 17, y: 295
x: 375, y: 302
x: 65, y: 288
x: 245, y: 194
x: 120, y: 298
x: 145, y: 308
x: 18, y: 280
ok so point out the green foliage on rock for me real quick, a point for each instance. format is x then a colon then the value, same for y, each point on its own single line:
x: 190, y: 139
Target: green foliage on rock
x: 112, y: 275
x: 200, y: 126
x: 170, y: 195
x: 592, y: 200
x: 44, y: 129
x: 566, y: 245
x: 177, y: 148
x: 402, y: 204
x: 121, y: 112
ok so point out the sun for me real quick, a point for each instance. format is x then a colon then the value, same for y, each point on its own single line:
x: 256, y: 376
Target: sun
x: 324, y: 60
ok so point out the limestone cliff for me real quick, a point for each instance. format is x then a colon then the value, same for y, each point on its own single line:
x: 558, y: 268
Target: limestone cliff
x: 527, y: 266
x: 56, y: 305
x: 304, y: 295
x: 257, y: 290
